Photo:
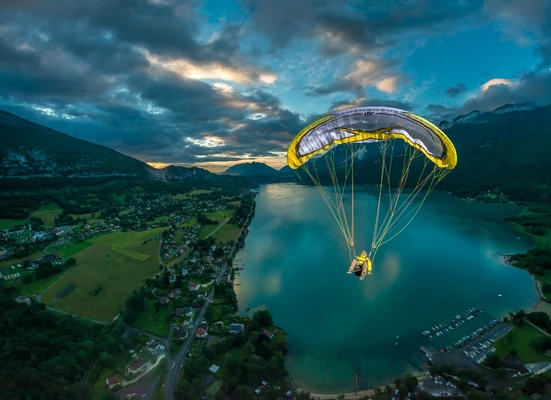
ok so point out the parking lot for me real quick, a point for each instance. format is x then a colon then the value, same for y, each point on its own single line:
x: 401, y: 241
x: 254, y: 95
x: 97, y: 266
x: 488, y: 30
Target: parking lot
x: 471, y: 353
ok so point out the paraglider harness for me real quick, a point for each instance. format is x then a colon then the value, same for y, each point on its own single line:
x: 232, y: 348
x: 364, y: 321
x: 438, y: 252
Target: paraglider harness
x: 361, y: 260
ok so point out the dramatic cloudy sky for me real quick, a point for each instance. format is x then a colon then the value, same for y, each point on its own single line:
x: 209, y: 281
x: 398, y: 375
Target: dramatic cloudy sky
x: 215, y: 82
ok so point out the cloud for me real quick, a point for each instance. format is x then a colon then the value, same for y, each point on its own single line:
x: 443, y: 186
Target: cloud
x: 353, y: 26
x: 532, y: 88
x: 456, y: 90
x: 527, y: 22
x: 361, y: 75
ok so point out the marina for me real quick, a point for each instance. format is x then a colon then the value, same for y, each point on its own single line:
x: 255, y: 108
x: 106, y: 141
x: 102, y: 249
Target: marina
x: 456, y: 322
x: 463, y: 328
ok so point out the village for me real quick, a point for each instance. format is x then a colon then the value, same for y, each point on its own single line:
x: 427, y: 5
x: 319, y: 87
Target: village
x: 196, y: 241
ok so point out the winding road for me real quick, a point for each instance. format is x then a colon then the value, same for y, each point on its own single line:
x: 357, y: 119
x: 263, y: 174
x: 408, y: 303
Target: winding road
x: 179, y: 360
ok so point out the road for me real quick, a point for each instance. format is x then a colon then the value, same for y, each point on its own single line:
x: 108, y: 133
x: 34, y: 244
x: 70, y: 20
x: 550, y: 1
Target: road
x: 180, y: 359
x: 78, y: 316
x: 39, y: 297
x: 537, y: 327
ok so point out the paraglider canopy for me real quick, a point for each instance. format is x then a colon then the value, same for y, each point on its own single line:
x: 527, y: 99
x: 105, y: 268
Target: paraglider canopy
x: 380, y: 126
x: 372, y: 124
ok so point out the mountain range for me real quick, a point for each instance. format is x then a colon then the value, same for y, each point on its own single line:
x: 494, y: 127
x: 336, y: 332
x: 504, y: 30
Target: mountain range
x: 33, y: 151
x: 508, y: 146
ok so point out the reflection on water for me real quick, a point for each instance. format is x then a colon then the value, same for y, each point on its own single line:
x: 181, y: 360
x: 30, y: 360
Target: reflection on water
x: 445, y: 262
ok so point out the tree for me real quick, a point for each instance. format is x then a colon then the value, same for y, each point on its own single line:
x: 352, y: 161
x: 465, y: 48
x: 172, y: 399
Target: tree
x: 106, y: 360
x: 411, y: 382
x: 263, y: 318
x: 71, y: 262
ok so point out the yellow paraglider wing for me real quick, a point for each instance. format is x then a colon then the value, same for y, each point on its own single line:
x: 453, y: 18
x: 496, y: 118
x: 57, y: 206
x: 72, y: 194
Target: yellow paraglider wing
x: 354, y: 127
x: 376, y: 124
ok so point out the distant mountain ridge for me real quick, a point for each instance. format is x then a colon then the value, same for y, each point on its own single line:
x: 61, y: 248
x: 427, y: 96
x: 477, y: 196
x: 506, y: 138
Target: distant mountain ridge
x: 508, y: 147
x: 250, y: 169
x: 32, y: 151
x: 482, y: 116
x: 29, y: 150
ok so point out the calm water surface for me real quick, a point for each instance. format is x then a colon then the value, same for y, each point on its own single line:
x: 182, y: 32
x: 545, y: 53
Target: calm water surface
x: 445, y: 262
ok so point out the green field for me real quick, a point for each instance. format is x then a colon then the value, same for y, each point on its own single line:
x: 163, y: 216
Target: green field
x: 226, y: 233
x: 214, y: 387
x: 199, y: 191
x: 152, y: 322
x: 227, y: 213
x: 521, y: 339
x: 544, y: 240
x: 118, y: 274
x: 89, y: 217
x: 36, y: 287
x: 48, y: 213
x: 191, y: 222
x: 131, y: 253
x: 70, y: 249
x: 10, y: 223
x: 185, y: 196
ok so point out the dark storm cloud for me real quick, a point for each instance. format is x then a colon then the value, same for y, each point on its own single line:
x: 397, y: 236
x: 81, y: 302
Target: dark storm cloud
x: 367, y: 25
x: 456, y: 90
x: 85, y: 65
x: 167, y: 28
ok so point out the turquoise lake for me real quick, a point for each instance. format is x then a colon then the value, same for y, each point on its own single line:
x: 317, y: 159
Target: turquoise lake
x: 446, y: 261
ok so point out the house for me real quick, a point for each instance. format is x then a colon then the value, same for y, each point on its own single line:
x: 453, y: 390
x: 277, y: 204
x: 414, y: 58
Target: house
x: 112, y: 381
x: 236, y: 328
x: 175, y: 293
x: 50, y: 258
x: 201, y: 333
x: 172, y: 278
x: 200, y: 295
x: 181, y: 333
x: 268, y: 334
x: 23, y: 299
x: 193, y: 286
x: 137, y: 366
x: 155, y: 347
x: 188, y: 311
x: 214, y: 368
x: 185, y: 271
x: 164, y: 300
x: 179, y: 311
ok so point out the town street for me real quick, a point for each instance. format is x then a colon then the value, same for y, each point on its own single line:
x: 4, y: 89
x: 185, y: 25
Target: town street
x: 180, y: 359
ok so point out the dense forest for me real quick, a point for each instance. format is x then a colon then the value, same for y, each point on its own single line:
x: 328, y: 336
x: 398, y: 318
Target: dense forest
x: 46, y: 355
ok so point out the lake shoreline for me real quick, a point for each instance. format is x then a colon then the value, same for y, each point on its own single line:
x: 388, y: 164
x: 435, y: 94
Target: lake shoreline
x: 422, y: 378
x: 328, y: 392
x: 541, y: 305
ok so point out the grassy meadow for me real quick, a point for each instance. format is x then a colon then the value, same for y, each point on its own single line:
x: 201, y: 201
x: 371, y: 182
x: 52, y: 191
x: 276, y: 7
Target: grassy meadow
x: 119, y: 262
